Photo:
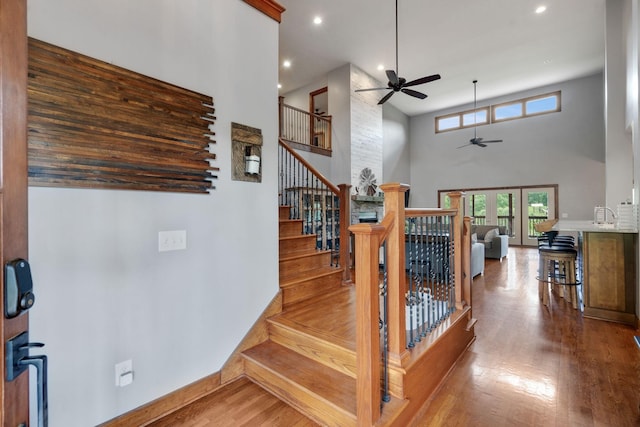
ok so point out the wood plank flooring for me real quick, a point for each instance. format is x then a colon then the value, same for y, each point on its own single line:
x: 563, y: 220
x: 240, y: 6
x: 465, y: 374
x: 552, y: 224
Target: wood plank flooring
x: 529, y: 366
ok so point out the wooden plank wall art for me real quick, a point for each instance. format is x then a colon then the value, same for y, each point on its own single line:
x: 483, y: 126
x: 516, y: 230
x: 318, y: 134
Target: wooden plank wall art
x: 96, y: 125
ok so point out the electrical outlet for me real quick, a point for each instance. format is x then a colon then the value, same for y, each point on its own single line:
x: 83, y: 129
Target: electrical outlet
x: 124, y: 373
x: 172, y: 240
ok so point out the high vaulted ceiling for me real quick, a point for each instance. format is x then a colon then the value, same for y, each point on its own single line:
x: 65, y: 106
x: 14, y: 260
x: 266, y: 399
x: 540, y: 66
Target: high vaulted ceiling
x: 503, y: 44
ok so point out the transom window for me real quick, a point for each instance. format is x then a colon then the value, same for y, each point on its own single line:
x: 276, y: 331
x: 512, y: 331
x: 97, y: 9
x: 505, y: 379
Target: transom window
x: 518, y: 109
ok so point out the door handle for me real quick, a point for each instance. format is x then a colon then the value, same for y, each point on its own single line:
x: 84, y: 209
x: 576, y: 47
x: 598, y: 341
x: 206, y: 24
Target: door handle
x: 18, y: 360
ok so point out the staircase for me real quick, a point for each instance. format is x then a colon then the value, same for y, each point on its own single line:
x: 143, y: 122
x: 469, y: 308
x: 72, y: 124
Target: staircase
x: 309, y: 359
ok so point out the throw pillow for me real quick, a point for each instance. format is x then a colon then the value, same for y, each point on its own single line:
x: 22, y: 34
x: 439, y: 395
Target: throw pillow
x: 490, y: 235
x: 474, y: 238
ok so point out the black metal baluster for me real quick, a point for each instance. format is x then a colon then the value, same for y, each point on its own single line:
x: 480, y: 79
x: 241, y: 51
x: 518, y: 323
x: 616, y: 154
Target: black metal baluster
x: 385, y: 328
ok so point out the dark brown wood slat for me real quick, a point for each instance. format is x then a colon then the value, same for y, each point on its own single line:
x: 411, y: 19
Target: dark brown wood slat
x: 101, y: 95
x: 48, y: 125
x: 111, y: 180
x: 93, y: 66
x: 93, y: 124
x: 113, y: 144
x: 116, y: 118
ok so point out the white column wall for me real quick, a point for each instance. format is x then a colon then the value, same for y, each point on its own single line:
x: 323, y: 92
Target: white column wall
x: 619, y: 158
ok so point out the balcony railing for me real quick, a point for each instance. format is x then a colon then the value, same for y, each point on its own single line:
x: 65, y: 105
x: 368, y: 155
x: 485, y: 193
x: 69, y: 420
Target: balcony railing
x: 304, y: 130
x: 507, y: 221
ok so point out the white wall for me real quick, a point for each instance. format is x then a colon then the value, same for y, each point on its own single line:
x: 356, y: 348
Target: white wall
x: 104, y: 292
x: 619, y: 155
x: 565, y: 148
x: 339, y: 94
x: 396, y: 154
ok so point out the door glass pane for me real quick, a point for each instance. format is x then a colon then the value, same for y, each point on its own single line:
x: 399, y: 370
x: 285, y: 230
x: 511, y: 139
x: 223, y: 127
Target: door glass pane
x: 538, y: 211
x: 506, y: 210
x: 447, y: 202
x: 479, y: 208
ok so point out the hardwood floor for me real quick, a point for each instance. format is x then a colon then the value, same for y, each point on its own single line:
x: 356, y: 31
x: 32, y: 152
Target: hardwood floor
x: 536, y: 366
x: 529, y: 366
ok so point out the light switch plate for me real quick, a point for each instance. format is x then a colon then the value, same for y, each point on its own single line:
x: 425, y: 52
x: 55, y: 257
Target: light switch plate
x: 172, y: 240
x: 123, y: 369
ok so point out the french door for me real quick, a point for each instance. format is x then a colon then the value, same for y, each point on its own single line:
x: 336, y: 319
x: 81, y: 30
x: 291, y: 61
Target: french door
x: 539, y: 204
x: 516, y: 208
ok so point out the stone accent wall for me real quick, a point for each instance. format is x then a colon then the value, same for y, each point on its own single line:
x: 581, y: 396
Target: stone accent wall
x: 366, y: 129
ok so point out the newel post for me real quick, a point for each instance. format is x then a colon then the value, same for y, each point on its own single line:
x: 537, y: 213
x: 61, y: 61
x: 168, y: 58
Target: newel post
x: 456, y: 197
x: 345, y: 240
x: 368, y: 393
x: 394, y: 202
x: 466, y: 251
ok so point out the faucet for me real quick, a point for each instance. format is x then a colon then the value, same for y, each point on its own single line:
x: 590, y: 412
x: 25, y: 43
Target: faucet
x: 600, y: 215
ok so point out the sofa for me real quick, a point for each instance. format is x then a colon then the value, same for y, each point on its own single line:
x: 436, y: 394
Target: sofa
x: 477, y: 259
x: 494, y: 238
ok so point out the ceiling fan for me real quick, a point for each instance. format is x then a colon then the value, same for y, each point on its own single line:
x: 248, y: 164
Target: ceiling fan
x: 400, y: 84
x: 475, y: 140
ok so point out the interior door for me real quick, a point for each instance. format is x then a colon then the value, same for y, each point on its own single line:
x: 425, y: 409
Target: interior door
x: 13, y: 189
x: 538, y: 204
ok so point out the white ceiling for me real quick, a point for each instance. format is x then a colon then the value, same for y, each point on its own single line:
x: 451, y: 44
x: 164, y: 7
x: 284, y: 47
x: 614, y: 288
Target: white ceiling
x: 503, y: 44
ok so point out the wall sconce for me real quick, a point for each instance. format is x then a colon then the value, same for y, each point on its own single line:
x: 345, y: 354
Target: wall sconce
x: 246, y: 153
x: 251, y: 161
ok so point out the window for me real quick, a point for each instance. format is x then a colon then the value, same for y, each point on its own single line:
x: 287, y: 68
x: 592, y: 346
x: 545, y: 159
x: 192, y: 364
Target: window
x: 527, y: 107
x: 517, y: 109
x: 448, y: 123
x: 507, y: 111
x: 462, y: 119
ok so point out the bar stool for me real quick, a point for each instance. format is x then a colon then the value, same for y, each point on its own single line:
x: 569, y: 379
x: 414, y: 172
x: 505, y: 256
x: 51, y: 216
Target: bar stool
x: 557, y: 268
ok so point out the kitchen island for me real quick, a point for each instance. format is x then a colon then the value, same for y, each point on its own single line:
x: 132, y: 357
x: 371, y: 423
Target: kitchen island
x: 607, y: 259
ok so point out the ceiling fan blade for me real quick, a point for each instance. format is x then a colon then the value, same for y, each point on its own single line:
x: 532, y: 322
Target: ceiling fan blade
x: 493, y: 140
x: 480, y: 144
x: 373, y: 88
x: 385, y: 98
x: 392, y: 76
x: 465, y: 145
x: 475, y: 140
x: 414, y: 93
x: 422, y: 80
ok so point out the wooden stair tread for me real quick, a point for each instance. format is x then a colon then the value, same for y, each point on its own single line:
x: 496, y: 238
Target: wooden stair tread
x: 332, y: 387
x: 304, y: 254
x: 321, y: 334
x: 291, y: 278
x: 329, y: 317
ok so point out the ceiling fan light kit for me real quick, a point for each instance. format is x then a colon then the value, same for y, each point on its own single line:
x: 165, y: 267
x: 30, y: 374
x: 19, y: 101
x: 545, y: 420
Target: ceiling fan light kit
x: 400, y: 84
x: 475, y: 140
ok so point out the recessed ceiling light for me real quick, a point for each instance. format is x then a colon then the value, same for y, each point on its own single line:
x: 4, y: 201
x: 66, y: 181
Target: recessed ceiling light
x: 541, y: 9
x: 317, y: 20
x: 286, y: 63
x: 380, y: 67
x: 279, y: 86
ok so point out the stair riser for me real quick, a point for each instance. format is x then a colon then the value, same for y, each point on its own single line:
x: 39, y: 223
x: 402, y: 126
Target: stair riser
x: 320, y: 410
x: 299, y: 244
x: 305, y: 263
x: 284, y: 212
x: 290, y: 228
x: 330, y: 355
x: 307, y: 289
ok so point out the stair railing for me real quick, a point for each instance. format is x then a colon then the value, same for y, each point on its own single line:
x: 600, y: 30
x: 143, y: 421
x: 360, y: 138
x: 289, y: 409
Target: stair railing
x: 323, y: 207
x: 308, y: 131
x: 433, y: 239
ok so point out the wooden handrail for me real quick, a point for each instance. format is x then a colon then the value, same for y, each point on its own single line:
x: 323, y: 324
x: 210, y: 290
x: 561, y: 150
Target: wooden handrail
x: 308, y: 165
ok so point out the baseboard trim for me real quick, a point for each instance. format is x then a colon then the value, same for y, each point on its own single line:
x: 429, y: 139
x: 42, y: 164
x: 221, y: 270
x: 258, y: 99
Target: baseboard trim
x: 167, y: 404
